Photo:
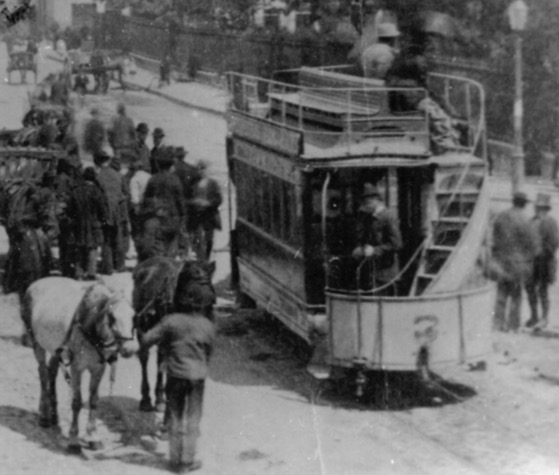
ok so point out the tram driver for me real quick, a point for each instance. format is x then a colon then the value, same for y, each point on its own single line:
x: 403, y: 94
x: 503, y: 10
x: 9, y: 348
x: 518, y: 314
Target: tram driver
x: 379, y: 240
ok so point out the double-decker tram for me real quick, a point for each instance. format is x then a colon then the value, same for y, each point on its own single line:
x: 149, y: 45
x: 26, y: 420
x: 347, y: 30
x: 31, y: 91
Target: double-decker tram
x: 301, y: 153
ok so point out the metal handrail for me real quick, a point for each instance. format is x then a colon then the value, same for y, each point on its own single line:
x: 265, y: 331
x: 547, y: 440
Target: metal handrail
x: 469, y: 84
x: 365, y: 112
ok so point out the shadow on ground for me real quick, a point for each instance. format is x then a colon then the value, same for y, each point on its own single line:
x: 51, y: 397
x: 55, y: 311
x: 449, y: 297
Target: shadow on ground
x: 255, y: 349
x: 138, y: 444
x: 25, y: 423
x: 121, y: 416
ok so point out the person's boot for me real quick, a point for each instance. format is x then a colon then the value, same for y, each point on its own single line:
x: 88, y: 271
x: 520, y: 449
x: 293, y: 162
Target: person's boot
x: 532, y: 322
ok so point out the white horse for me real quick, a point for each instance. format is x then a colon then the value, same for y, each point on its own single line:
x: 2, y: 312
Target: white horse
x: 84, y: 323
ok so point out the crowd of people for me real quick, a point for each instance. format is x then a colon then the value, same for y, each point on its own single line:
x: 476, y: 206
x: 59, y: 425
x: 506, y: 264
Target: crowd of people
x: 152, y: 197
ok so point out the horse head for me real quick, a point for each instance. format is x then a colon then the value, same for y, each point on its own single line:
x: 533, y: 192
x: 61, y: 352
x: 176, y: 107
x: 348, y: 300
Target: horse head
x: 194, y: 289
x: 106, y: 320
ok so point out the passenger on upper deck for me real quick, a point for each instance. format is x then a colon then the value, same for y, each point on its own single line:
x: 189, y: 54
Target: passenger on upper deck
x: 377, y: 59
x: 410, y: 70
x: 379, y: 239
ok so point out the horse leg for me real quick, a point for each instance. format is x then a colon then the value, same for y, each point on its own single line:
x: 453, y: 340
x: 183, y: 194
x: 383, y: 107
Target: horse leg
x: 145, y: 403
x: 160, y: 384
x: 74, y: 446
x: 44, y: 403
x: 53, y: 373
x: 93, y: 438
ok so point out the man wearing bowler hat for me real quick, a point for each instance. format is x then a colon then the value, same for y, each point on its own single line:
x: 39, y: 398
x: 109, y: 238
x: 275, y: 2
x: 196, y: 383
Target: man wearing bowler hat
x: 379, y: 240
x: 515, y: 246
x: 545, y: 263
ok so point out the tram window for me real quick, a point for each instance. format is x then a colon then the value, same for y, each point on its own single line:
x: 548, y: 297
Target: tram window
x: 275, y: 186
x: 268, y: 202
x: 267, y: 217
x: 258, y: 204
x: 248, y: 195
x: 242, y: 186
x: 288, y: 213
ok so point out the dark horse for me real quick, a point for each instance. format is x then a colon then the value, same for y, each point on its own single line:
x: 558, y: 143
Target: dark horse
x: 156, y: 282
x: 27, y: 210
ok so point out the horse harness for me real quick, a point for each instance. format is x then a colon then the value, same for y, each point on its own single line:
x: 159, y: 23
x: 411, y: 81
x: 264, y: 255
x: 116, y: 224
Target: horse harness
x: 93, y: 338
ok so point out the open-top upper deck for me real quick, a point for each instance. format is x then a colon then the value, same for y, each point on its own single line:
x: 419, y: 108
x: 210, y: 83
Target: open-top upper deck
x: 326, y: 114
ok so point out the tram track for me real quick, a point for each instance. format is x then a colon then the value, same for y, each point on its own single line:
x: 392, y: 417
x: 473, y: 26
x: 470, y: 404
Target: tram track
x: 483, y: 442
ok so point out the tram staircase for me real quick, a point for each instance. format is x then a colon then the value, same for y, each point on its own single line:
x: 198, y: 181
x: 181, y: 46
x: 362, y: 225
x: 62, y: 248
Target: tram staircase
x: 457, y: 234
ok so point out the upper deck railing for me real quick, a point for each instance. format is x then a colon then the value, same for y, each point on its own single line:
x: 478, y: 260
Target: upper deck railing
x: 336, y: 110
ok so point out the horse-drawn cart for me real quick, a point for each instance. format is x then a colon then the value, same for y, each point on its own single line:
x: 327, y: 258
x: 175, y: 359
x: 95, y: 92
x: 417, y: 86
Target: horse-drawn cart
x: 101, y: 64
x: 27, y: 163
x: 22, y: 61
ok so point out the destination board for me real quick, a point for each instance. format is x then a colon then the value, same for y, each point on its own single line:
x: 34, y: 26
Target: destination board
x: 275, y: 136
x: 267, y: 161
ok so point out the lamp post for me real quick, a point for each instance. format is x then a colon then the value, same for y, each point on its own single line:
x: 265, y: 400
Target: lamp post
x: 100, y: 8
x: 518, y: 16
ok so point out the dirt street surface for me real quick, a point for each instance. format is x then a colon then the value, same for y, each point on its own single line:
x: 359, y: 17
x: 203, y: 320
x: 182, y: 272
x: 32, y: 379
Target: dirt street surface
x: 262, y: 412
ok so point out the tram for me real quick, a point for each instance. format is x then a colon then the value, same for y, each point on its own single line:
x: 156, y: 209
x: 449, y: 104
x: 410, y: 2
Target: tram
x: 300, y: 150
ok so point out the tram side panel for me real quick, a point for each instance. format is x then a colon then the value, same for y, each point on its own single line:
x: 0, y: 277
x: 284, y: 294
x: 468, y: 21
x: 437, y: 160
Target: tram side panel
x: 269, y: 233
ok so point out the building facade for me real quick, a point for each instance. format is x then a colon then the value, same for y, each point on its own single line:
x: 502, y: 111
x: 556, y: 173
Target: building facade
x: 67, y: 13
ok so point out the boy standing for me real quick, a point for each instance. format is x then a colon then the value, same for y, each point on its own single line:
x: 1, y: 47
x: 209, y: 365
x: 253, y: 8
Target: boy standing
x: 186, y: 339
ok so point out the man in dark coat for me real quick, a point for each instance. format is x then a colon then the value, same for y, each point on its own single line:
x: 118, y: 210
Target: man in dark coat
x: 545, y: 263
x: 64, y: 184
x: 112, y: 183
x: 158, y: 136
x: 186, y: 338
x: 204, y: 216
x: 142, y: 152
x: 48, y: 132
x: 188, y: 175
x: 29, y: 219
x: 122, y: 136
x: 162, y: 210
x: 515, y: 246
x: 89, y: 210
x: 94, y: 134
x: 59, y: 91
x: 379, y: 240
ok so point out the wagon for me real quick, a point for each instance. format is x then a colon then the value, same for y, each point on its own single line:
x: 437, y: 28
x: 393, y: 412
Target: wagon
x: 99, y: 64
x: 22, y: 61
x: 27, y: 163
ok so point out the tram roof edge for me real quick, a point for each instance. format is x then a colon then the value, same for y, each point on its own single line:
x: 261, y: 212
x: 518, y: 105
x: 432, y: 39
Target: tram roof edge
x: 395, y: 160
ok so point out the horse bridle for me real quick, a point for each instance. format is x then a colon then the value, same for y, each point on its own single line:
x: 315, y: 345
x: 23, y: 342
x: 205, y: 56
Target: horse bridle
x: 114, y: 343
